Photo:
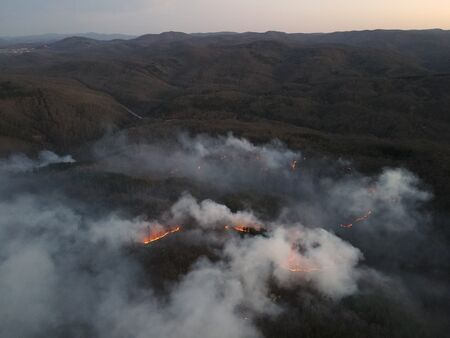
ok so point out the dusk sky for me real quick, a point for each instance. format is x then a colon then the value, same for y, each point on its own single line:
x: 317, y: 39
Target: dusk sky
x: 26, y: 17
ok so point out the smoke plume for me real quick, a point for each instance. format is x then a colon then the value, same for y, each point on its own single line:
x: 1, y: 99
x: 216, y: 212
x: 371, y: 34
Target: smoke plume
x: 67, y: 271
x: 22, y: 163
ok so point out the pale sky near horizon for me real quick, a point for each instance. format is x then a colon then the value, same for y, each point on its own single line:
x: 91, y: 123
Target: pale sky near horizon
x: 28, y: 17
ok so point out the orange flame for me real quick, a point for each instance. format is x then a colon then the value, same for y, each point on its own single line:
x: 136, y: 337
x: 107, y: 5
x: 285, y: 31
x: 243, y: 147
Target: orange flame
x: 357, y: 220
x: 242, y: 228
x: 248, y: 229
x: 159, y: 235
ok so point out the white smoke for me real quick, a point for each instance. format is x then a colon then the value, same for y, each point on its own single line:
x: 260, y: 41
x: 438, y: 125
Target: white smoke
x: 209, y: 213
x: 22, y: 163
x: 44, y: 246
x: 393, y: 197
x: 311, y: 191
x: 203, y: 304
x: 66, y: 272
x: 229, y: 162
x: 336, y: 261
x: 40, y: 249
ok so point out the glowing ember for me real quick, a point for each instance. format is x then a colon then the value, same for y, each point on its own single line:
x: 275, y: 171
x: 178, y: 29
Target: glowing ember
x: 242, y: 228
x: 295, y: 264
x: 357, y: 220
x: 155, y: 236
x: 253, y: 229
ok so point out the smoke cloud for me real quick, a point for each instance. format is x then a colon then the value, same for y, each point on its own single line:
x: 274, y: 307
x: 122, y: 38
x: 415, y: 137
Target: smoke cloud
x: 335, y: 261
x: 22, y: 163
x: 65, y: 271
x: 231, y: 163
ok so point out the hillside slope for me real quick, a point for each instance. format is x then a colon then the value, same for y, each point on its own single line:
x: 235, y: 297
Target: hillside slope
x: 54, y: 113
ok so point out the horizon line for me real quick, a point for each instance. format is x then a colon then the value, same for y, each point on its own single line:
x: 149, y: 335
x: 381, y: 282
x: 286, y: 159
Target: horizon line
x: 228, y: 32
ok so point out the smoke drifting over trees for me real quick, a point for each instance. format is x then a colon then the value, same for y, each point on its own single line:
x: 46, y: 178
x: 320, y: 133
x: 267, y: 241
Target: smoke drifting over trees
x: 68, y: 270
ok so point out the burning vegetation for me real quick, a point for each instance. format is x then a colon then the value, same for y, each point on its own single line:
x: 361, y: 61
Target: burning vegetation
x: 155, y: 235
x: 357, y: 220
x: 235, y: 266
x: 251, y: 229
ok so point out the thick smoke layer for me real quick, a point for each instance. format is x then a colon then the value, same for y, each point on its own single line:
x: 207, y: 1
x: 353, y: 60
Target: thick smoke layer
x: 66, y: 272
x: 55, y: 261
x: 230, y: 163
x: 312, y: 193
x: 209, y: 213
x: 334, y: 260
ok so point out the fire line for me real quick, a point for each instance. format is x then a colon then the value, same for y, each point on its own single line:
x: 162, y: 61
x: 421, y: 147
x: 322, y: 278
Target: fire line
x: 357, y: 220
x: 251, y: 229
x: 159, y: 235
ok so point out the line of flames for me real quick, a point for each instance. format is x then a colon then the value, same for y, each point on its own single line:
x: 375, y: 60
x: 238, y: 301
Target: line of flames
x: 239, y: 228
x: 357, y: 220
x: 159, y: 235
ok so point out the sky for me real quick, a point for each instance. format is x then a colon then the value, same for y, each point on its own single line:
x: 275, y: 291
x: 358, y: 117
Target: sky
x: 29, y: 17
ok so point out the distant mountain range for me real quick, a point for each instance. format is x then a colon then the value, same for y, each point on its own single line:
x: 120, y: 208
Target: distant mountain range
x: 48, y: 38
x: 336, y: 37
